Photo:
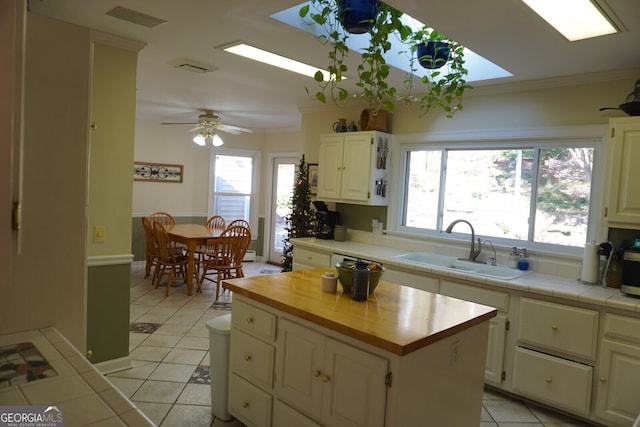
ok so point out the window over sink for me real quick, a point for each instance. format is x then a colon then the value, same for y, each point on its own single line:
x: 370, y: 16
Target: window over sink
x: 524, y: 193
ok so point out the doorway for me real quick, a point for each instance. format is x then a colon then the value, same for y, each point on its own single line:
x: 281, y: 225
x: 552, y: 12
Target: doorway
x: 284, y: 172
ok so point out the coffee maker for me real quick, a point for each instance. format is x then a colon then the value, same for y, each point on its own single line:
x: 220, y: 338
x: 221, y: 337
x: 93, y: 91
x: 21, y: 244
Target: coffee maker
x: 326, y: 219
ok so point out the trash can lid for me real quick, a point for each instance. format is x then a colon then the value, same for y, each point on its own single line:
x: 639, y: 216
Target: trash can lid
x: 220, y: 324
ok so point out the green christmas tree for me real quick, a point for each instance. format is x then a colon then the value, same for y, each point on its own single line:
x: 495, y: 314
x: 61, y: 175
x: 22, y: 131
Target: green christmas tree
x: 300, y: 222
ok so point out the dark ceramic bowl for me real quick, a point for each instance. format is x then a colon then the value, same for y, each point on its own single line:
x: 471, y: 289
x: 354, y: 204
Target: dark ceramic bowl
x: 345, y: 276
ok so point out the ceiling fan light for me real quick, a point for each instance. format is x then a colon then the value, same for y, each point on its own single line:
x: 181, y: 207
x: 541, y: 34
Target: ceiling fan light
x: 199, y: 139
x: 217, y: 141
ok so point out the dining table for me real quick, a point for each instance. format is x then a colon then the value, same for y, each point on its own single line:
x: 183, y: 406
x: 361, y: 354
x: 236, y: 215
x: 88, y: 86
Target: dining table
x: 192, y: 236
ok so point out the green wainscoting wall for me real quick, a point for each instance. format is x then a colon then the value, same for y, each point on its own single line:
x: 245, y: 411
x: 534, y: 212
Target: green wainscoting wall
x: 358, y: 217
x: 108, y: 311
x: 138, y: 239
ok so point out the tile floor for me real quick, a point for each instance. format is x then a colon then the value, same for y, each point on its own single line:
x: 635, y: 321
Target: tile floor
x: 169, y: 345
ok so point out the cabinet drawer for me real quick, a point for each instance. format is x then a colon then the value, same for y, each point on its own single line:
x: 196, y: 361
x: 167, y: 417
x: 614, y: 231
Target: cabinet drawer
x: 559, y: 382
x: 622, y: 328
x: 558, y: 327
x: 499, y: 300
x: 311, y: 258
x: 285, y: 415
x: 248, y: 403
x: 252, y: 359
x: 425, y: 283
x: 254, y: 321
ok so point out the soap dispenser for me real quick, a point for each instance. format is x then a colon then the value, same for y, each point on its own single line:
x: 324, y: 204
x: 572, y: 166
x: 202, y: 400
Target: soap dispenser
x: 514, y: 257
x: 523, y: 262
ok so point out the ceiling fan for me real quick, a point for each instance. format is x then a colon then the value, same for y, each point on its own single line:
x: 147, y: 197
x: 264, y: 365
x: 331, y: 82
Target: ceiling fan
x: 207, y: 125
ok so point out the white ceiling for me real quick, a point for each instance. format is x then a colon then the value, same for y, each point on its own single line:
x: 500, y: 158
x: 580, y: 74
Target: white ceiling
x: 261, y: 97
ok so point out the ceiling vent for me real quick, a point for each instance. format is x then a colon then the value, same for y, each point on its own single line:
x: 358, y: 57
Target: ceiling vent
x: 193, y: 66
x: 135, y: 17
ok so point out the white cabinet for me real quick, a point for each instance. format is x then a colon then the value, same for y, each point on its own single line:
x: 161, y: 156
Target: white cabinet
x: 304, y: 259
x: 331, y: 382
x: 353, y: 167
x: 251, y: 360
x: 619, y: 371
x: 494, y: 364
x: 623, y: 158
x: 556, y: 353
x: 553, y: 380
x: 418, y: 281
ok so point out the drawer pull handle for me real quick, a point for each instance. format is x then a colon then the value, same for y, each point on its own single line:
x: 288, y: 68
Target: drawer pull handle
x: 245, y: 404
x: 249, y: 320
x: 549, y: 380
x: 554, y: 327
x: 325, y: 379
x: 247, y: 358
x: 603, y: 379
x: 316, y: 373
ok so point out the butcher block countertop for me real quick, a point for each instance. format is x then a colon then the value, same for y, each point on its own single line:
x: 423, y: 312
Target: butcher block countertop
x: 396, y: 318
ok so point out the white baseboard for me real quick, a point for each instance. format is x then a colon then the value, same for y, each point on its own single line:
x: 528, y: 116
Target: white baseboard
x: 114, y: 365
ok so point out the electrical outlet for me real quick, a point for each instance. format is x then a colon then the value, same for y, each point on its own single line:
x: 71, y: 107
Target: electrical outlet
x: 99, y: 233
x: 455, y: 352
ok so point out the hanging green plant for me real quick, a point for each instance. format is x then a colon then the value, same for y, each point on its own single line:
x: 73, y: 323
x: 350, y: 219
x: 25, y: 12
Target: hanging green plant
x: 441, y: 89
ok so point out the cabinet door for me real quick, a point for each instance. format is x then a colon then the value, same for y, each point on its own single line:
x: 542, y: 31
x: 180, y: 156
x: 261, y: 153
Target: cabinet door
x: 495, y: 350
x: 330, y: 166
x: 355, y: 172
x: 355, y: 392
x: 624, y: 197
x: 285, y: 415
x: 619, y: 368
x: 300, y: 363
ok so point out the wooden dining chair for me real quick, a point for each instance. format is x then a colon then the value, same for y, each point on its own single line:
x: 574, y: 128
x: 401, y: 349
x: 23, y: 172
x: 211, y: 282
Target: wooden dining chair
x: 163, y: 218
x: 230, y: 248
x: 240, y: 222
x: 152, y: 255
x: 216, y: 222
x: 171, y: 263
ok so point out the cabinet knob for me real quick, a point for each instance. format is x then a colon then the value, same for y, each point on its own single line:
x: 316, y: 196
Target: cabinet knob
x: 554, y: 327
x: 309, y: 257
x: 325, y: 379
x: 247, y: 358
x: 245, y: 404
x: 603, y: 379
x: 249, y: 319
x: 316, y: 373
x: 549, y: 380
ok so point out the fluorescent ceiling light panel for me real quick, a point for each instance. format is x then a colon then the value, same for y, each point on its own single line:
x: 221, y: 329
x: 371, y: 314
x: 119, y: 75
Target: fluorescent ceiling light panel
x: 574, y: 19
x: 479, y: 68
x: 269, y: 58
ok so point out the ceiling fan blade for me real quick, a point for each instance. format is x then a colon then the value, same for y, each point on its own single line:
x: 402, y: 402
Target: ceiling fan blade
x: 235, y: 130
x: 194, y: 128
x: 181, y: 123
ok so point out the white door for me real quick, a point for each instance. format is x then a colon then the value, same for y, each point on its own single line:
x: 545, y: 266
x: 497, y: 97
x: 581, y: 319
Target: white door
x: 284, y: 173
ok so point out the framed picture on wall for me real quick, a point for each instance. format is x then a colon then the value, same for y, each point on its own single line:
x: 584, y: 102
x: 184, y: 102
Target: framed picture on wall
x: 312, y: 170
x: 157, y: 172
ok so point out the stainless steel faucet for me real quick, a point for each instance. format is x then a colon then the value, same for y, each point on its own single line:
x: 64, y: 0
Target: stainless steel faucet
x: 473, y: 252
x: 494, y: 259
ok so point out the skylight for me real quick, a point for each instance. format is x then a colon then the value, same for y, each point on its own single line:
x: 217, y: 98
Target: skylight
x: 479, y: 68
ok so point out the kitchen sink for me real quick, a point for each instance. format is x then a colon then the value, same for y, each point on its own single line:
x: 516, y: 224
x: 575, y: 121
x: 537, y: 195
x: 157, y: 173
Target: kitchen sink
x: 452, y: 263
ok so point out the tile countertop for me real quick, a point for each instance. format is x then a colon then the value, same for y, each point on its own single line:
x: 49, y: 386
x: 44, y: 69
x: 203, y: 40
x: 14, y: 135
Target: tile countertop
x: 532, y: 282
x: 86, y: 396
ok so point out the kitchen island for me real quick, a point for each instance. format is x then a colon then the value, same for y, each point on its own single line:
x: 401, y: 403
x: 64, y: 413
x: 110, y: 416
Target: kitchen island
x: 403, y: 357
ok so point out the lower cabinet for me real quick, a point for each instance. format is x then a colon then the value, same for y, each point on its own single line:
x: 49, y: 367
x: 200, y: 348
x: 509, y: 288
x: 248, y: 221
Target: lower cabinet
x: 619, y: 371
x: 494, y: 365
x: 553, y: 380
x: 304, y: 259
x: 418, y: 281
x: 331, y: 382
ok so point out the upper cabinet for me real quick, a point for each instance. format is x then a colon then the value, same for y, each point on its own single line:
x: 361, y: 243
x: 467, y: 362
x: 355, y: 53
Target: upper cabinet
x: 353, y: 167
x: 623, y: 204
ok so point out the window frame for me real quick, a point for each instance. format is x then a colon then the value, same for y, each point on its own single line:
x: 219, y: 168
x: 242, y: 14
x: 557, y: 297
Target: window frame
x: 254, y: 196
x: 588, y: 136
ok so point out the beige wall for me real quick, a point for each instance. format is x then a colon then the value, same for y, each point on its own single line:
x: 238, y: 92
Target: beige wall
x: 498, y: 108
x: 172, y: 144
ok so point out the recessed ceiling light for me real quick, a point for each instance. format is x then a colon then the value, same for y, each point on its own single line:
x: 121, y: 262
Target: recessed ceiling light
x: 251, y: 52
x: 574, y: 19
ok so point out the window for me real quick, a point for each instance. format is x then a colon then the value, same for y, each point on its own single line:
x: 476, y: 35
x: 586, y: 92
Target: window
x: 535, y: 193
x: 234, y: 188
